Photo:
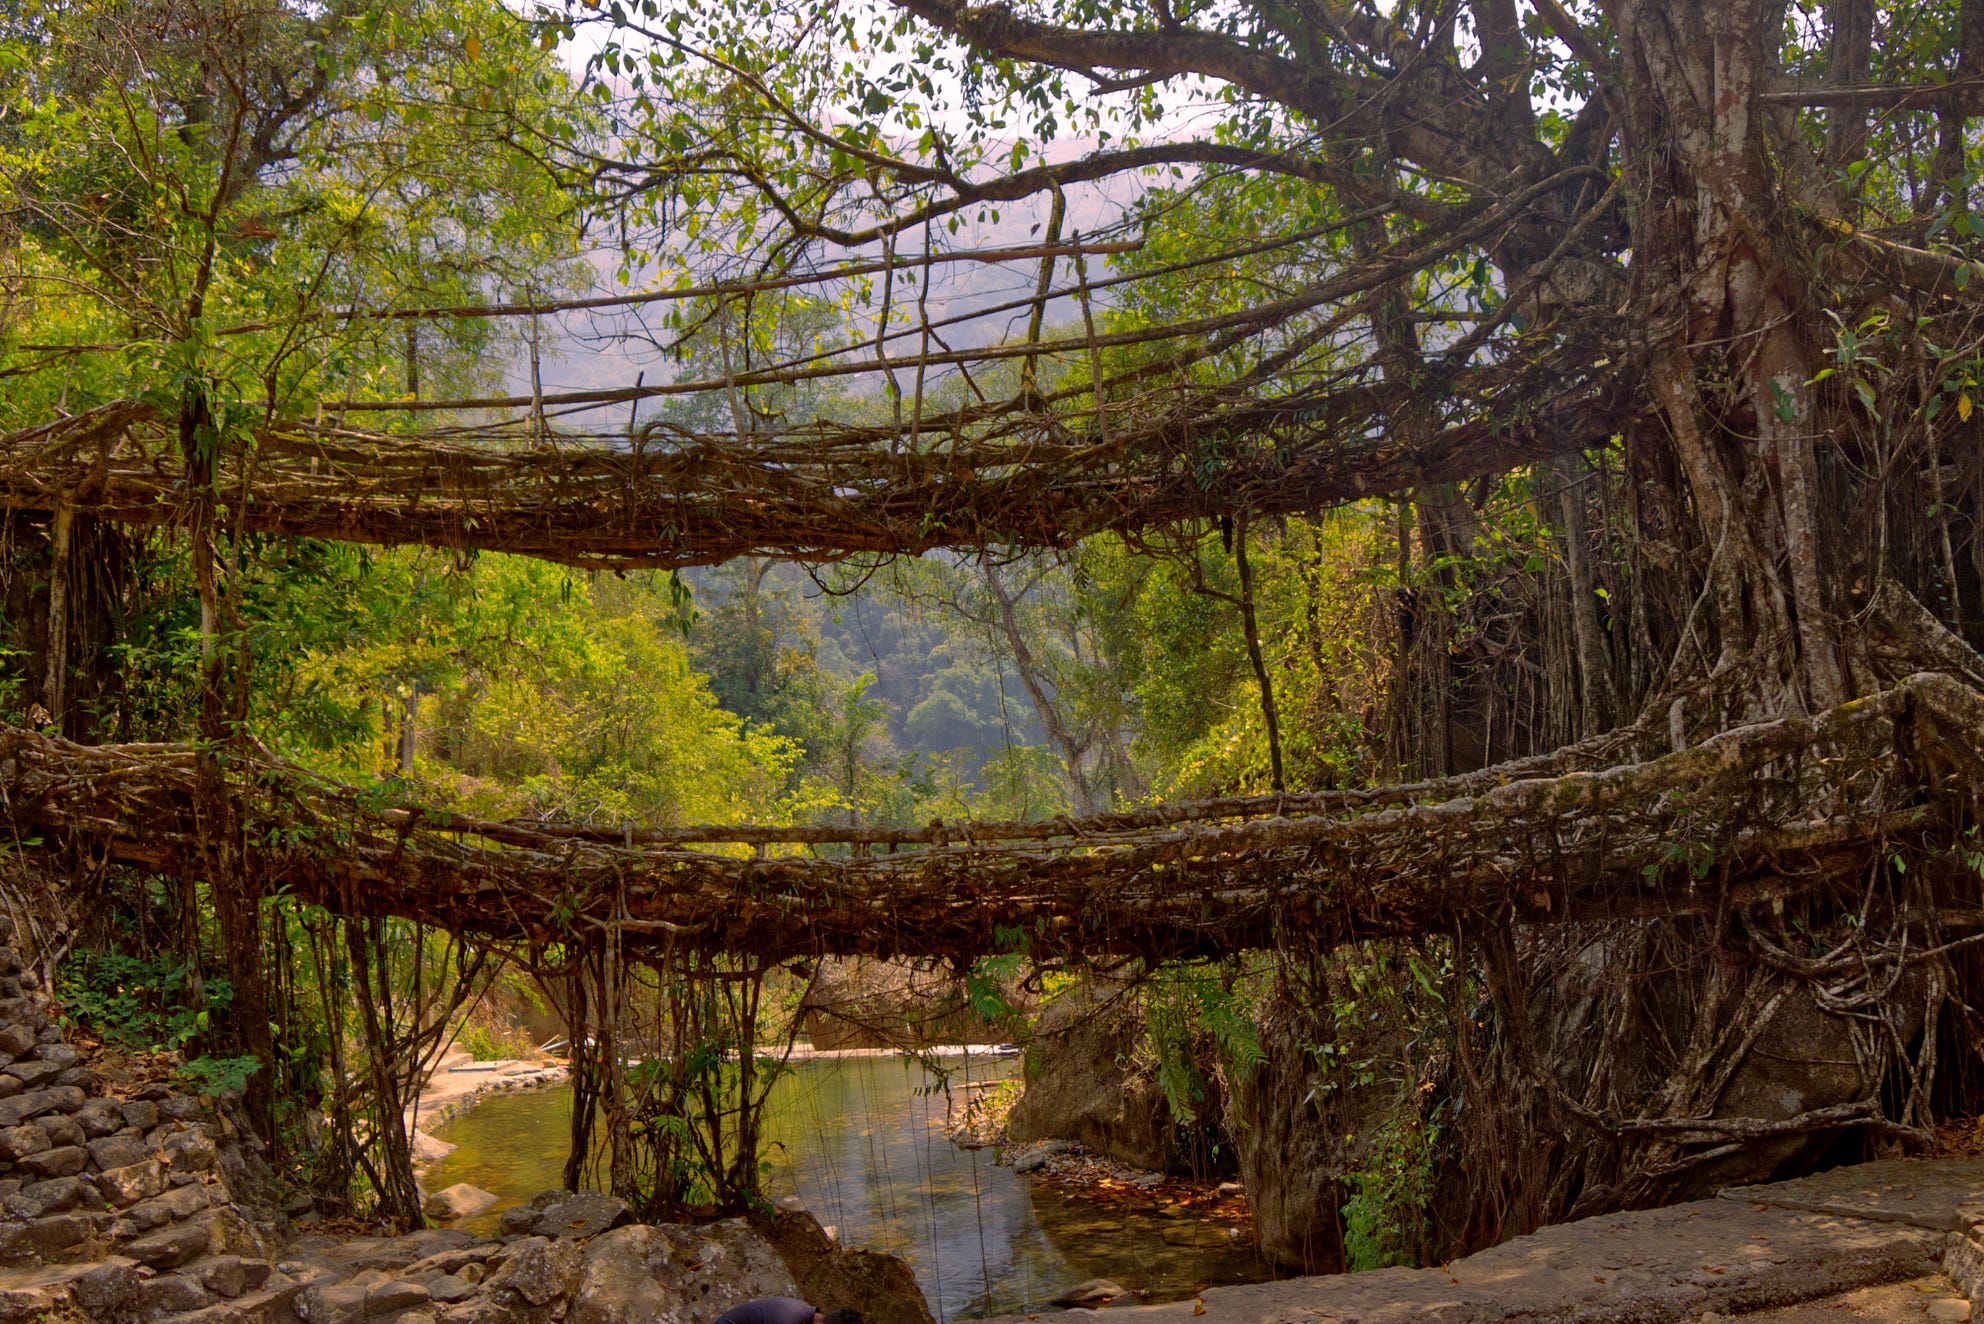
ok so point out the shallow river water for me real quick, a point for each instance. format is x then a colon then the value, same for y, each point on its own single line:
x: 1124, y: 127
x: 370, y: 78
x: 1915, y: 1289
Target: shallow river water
x: 862, y: 1142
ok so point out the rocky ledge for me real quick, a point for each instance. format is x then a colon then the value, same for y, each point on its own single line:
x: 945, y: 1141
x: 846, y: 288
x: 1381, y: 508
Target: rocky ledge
x: 1754, y: 1248
x: 580, y: 1259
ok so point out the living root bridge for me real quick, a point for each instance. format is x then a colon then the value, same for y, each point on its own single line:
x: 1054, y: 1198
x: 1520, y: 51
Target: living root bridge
x: 1759, y: 811
x: 814, y: 492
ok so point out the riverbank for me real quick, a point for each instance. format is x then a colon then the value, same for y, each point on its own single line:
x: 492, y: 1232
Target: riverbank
x: 1209, y: 1210
x: 127, y: 1203
x: 1204, y: 1211
x: 1181, y: 1213
x: 456, y: 1081
x: 126, y: 1200
x: 1834, y: 1240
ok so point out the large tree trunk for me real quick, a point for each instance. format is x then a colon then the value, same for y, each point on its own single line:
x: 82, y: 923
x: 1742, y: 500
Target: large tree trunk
x: 1717, y: 286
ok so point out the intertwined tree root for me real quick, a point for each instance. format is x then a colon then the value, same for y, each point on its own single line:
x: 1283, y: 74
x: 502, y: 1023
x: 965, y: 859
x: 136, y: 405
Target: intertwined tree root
x: 816, y: 492
x: 1763, y: 810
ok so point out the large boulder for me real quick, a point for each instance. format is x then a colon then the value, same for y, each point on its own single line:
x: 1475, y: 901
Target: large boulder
x: 536, y: 1271
x: 1091, y: 1292
x: 1803, y: 1061
x: 675, y: 1274
x: 881, y: 1286
x: 1088, y: 1081
x: 1619, y: 1007
x: 567, y: 1214
x: 1303, y: 1129
x: 630, y: 1274
x: 1300, y: 1129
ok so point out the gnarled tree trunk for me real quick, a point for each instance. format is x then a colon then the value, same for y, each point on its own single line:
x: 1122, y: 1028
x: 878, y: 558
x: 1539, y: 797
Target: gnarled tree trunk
x: 1728, y: 328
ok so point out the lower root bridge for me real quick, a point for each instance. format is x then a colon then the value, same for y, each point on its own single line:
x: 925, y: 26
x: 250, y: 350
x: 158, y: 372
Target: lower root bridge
x: 1596, y: 830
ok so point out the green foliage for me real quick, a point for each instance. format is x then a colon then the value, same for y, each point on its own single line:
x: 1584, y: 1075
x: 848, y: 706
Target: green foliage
x: 1170, y: 636
x: 1188, y: 1006
x: 1022, y: 783
x: 218, y: 1075
x: 986, y: 985
x: 488, y: 1043
x: 1385, y: 1220
x: 1384, y: 1013
x: 699, y: 1105
x: 897, y: 713
x: 137, y: 1002
x: 1199, y: 1031
x: 528, y: 691
x: 194, y: 184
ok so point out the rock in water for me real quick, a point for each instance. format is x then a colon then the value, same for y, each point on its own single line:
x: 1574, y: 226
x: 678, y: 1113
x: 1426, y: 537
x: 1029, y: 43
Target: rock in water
x: 1094, y: 1292
x: 461, y: 1200
x: 426, y: 1149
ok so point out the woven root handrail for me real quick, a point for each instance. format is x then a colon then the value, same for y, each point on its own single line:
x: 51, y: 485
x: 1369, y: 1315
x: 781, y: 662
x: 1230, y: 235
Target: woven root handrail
x: 1759, y: 811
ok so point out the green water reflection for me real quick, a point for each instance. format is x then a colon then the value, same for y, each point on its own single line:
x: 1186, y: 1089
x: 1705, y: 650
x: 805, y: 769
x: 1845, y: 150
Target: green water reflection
x: 862, y: 1142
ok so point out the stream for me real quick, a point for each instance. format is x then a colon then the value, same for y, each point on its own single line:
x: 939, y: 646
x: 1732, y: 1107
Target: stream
x: 862, y: 1142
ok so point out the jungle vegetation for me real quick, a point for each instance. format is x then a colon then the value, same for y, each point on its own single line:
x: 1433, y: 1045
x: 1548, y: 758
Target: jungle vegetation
x: 1639, y: 340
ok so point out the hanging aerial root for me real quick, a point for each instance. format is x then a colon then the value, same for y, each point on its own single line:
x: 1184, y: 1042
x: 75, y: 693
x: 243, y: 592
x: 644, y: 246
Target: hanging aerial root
x: 1756, y: 812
